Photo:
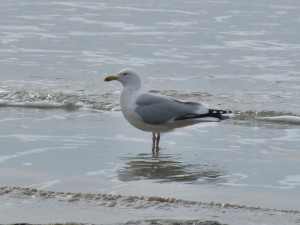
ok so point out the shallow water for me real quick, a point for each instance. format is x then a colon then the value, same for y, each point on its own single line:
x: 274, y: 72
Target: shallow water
x: 62, y: 132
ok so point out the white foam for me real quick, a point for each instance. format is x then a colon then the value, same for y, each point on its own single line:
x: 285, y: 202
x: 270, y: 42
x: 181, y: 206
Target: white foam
x: 4, y: 158
x: 108, y: 173
x: 19, y: 154
x: 23, y: 28
x: 282, y: 119
x: 46, y: 184
x: 27, y: 164
x: 122, y: 137
x: 40, y: 104
x: 222, y: 19
x: 291, y: 181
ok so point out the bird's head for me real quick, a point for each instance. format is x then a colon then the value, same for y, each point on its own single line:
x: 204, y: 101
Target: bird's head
x: 126, y: 77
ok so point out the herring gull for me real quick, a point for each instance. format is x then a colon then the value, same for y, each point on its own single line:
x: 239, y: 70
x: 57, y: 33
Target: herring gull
x: 158, y: 114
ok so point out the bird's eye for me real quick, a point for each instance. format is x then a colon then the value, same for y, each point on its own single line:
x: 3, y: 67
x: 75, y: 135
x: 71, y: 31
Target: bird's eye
x: 125, y: 74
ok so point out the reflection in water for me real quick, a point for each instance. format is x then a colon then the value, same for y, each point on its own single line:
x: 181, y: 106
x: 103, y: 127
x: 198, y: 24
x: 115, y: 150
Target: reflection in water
x: 166, y: 169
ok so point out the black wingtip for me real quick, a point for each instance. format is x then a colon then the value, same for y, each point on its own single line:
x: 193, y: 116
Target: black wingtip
x: 215, y: 113
x: 218, y: 113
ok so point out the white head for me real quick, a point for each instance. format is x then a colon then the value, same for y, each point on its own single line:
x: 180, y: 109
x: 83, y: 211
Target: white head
x: 127, y: 77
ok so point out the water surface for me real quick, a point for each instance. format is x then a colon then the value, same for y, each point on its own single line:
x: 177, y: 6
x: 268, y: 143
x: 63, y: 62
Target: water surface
x: 66, y: 152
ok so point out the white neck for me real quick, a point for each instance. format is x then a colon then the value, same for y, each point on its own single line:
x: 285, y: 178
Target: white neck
x: 128, y: 91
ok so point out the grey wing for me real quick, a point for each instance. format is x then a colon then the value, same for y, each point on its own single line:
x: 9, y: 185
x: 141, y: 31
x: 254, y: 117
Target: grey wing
x: 155, y: 109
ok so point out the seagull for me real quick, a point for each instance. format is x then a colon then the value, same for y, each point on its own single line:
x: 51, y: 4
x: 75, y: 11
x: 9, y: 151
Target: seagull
x: 156, y: 113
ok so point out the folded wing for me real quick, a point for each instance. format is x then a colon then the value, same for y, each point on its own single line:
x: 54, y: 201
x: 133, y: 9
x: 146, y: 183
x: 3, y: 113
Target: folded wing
x: 155, y: 109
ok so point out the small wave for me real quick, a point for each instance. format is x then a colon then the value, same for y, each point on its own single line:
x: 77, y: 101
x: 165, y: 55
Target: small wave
x: 173, y: 222
x: 42, y: 99
x: 41, y: 105
x: 267, y: 117
x: 282, y: 119
x: 45, y: 100
x: 148, y: 222
x: 39, y: 100
x: 138, y: 202
x: 144, y: 222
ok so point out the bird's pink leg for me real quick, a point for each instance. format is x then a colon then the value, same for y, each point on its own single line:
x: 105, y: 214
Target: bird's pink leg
x: 155, y: 140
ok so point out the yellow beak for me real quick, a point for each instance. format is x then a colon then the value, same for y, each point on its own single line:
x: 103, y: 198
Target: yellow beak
x: 110, y: 78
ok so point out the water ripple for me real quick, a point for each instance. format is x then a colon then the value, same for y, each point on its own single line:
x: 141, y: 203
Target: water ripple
x: 111, y: 200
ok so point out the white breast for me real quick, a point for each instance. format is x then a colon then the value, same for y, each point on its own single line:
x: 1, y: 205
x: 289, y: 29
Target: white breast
x: 128, y: 105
